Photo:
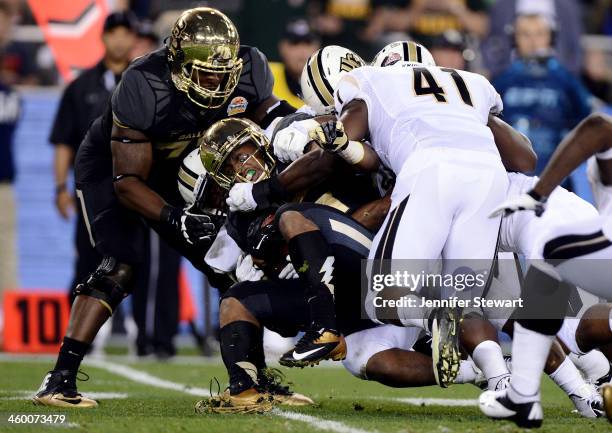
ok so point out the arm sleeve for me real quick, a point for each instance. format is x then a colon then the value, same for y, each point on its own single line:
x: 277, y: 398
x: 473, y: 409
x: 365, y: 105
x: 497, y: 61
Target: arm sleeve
x: 256, y: 78
x: 64, y: 129
x: 353, y: 87
x: 133, y: 102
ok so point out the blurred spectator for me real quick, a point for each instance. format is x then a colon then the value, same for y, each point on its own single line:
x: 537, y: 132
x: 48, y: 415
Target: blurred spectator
x: 17, y: 60
x: 83, y: 101
x: 343, y: 22
x: 449, y: 50
x: 9, y: 115
x: 296, y: 46
x: 562, y: 14
x: 542, y: 99
x: 596, y: 75
x: 262, y: 24
x: 146, y: 40
x: 426, y: 19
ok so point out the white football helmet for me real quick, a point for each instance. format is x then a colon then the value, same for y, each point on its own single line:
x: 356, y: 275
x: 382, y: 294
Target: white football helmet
x: 322, y: 73
x: 191, y: 175
x: 403, y: 53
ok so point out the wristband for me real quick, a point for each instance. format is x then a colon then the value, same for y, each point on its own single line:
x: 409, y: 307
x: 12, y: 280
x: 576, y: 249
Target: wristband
x: 60, y: 188
x: 533, y: 194
x: 268, y: 191
x: 353, y: 152
x: 171, y: 215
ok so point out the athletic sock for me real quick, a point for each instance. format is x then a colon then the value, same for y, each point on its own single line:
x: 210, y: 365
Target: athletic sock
x: 529, y: 353
x: 314, y: 262
x: 467, y: 372
x: 241, y: 351
x: 567, y: 377
x: 593, y: 365
x: 71, y: 354
x: 489, y: 358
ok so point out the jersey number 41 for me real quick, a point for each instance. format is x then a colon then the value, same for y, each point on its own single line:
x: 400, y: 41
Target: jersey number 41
x: 426, y: 84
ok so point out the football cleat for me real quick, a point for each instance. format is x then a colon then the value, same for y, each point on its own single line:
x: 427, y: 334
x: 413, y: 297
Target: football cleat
x: 315, y: 346
x: 588, y: 401
x: 606, y: 393
x: 270, y: 381
x: 59, y: 389
x: 248, y: 401
x: 445, y: 346
x: 497, y: 405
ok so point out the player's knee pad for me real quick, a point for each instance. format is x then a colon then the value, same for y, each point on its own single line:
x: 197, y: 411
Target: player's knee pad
x: 110, y: 283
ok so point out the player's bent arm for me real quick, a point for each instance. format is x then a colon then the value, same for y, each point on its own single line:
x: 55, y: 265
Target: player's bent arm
x: 307, y: 171
x: 354, y: 117
x: 591, y: 136
x: 514, y: 148
x: 132, y: 159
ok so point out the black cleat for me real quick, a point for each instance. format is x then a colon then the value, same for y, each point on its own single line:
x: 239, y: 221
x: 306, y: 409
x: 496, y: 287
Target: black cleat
x: 59, y: 389
x: 497, y: 405
x: 315, y: 346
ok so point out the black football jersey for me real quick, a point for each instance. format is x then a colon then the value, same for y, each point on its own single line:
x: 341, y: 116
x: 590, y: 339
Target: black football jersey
x: 146, y: 100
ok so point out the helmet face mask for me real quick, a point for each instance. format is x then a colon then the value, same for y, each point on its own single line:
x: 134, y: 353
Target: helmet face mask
x: 220, y: 151
x: 204, y: 44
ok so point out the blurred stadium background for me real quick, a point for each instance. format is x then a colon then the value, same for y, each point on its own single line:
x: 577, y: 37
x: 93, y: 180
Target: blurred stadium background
x: 44, y: 44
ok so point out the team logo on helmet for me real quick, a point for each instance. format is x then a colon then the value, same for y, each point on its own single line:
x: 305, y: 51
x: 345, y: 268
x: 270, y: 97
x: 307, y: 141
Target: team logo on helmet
x: 349, y: 62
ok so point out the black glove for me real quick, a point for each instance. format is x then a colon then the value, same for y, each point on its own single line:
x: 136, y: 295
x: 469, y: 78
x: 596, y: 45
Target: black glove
x: 330, y: 136
x: 196, y: 229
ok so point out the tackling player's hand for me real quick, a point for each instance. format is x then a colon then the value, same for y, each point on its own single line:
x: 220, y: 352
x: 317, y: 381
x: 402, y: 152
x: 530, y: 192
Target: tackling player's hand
x: 246, y: 270
x: 528, y: 201
x: 288, y: 272
x: 196, y: 229
x: 289, y: 144
x: 240, y: 198
x: 330, y: 136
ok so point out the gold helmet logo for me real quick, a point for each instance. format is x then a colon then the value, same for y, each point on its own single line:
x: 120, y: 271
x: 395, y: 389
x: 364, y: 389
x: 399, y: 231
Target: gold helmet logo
x: 349, y: 62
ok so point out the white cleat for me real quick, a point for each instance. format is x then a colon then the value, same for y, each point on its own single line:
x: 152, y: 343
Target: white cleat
x: 588, y: 401
x: 497, y: 405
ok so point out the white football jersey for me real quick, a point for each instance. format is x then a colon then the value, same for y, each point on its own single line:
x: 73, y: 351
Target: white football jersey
x: 417, y: 107
x: 602, y: 193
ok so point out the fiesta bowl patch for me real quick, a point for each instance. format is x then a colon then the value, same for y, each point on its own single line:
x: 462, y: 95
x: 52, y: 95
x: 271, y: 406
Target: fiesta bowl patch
x: 391, y: 59
x: 237, y: 105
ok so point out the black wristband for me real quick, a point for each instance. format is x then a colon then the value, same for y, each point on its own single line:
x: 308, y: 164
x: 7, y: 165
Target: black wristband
x: 533, y: 194
x: 60, y: 188
x: 268, y: 191
x: 171, y: 215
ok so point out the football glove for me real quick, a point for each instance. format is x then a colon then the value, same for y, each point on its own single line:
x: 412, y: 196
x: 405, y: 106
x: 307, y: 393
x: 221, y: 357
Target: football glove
x: 528, y: 201
x: 196, y: 229
x: 289, y: 144
x: 240, y: 198
x: 288, y: 272
x: 246, y: 270
x: 330, y: 136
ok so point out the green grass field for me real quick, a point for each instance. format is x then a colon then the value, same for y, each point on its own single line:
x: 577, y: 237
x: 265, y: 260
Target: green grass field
x: 159, y: 397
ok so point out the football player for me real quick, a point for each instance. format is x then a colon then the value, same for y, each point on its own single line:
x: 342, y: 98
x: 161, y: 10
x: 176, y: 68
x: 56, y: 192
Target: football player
x: 414, y: 115
x: 566, y: 252
x: 127, y: 165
